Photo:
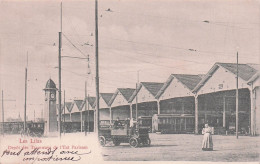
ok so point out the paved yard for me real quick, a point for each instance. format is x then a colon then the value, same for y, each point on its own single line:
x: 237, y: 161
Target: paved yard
x: 187, y: 147
x: 164, y: 147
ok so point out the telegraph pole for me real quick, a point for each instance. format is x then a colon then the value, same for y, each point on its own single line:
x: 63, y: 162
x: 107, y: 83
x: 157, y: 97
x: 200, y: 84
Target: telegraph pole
x: 97, y: 67
x: 25, y: 97
x: 64, y: 114
x: 3, y: 113
x: 237, y: 100
x: 85, y: 108
x: 136, y: 98
x: 88, y: 113
x: 59, y: 113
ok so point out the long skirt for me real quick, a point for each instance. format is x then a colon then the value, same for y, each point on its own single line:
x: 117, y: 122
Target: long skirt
x: 207, y: 143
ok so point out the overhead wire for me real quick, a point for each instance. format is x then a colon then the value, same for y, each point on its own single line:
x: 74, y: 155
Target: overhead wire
x: 74, y: 45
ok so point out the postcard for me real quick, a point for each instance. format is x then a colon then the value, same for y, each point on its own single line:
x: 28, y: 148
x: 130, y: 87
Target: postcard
x: 129, y: 81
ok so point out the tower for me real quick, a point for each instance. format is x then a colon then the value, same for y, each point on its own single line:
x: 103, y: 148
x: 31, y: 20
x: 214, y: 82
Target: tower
x: 50, y: 115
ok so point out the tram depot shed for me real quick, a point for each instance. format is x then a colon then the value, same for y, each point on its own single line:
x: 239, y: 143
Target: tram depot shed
x: 104, y: 108
x: 215, y: 97
x: 147, y: 104
x: 177, y: 103
x: 119, y: 103
x: 192, y: 99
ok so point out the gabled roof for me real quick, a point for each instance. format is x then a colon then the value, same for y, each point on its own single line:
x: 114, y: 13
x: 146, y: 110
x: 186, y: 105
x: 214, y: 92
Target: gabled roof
x: 69, y: 105
x: 245, y: 72
x: 135, y: 92
x: 92, y: 101
x: 126, y: 93
x: 190, y: 81
x: 106, y: 97
x: 79, y: 104
x: 152, y: 87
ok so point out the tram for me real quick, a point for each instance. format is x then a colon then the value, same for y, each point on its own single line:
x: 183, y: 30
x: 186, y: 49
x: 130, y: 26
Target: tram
x: 173, y: 123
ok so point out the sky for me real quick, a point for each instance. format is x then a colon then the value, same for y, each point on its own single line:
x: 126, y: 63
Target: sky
x: 139, y: 40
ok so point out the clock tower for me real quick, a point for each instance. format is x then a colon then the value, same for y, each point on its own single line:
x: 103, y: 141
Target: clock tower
x: 50, y: 115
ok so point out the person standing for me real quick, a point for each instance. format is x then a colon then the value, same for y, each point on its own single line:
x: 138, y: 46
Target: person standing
x: 207, y: 143
x: 117, y: 123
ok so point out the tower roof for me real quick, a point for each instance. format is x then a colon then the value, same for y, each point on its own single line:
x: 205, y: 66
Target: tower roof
x: 50, y: 84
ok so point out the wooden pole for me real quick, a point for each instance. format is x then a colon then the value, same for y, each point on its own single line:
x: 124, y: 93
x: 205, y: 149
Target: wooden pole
x: 224, y: 111
x: 3, y: 113
x: 59, y: 59
x: 97, y: 67
x: 88, y: 112
x: 237, y: 101
x: 64, y: 114
x: 25, y: 96
x: 59, y: 112
x: 136, y: 97
x: 85, y: 108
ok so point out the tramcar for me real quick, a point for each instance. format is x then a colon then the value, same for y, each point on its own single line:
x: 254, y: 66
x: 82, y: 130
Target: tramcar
x: 173, y: 123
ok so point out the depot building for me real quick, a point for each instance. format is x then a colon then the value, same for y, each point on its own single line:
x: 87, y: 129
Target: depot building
x: 188, y: 101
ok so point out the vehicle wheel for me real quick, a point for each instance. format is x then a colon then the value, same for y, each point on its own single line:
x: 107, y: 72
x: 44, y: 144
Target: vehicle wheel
x: 102, y: 141
x: 133, y: 142
x: 116, y: 142
x: 147, y: 141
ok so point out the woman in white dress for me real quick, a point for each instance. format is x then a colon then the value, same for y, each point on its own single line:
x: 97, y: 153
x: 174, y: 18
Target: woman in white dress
x: 207, y: 143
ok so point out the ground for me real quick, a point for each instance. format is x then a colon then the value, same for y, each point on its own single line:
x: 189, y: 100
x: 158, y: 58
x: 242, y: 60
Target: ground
x: 164, y: 147
x: 187, y: 147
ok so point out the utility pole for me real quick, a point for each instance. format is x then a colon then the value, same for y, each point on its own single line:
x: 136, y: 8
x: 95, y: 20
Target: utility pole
x: 237, y: 101
x: 64, y: 114
x: 25, y: 97
x: 85, y: 108
x: 88, y: 113
x: 3, y: 113
x: 97, y: 67
x: 59, y: 112
x: 60, y: 39
x: 136, y: 97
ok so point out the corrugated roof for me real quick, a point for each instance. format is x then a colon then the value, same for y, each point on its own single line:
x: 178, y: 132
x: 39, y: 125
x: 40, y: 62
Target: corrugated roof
x: 69, y: 106
x: 134, y: 93
x: 152, y: 87
x: 92, y: 101
x: 190, y: 81
x: 255, y: 66
x: 106, y: 97
x: 79, y: 104
x: 126, y: 92
x: 245, y: 71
